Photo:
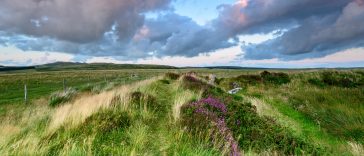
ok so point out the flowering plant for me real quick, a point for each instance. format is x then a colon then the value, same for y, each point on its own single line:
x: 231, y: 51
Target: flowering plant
x: 214, y: 111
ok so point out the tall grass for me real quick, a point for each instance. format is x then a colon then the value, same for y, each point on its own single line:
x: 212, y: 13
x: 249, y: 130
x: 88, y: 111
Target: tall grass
x: 328, y: 114
x: 149, y: 118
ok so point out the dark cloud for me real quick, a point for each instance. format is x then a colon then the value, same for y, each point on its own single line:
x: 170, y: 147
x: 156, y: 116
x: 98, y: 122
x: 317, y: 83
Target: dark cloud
x: 78, y: 21
x: 308, y: 28
x: 172, y: 34
x: 316, y: 36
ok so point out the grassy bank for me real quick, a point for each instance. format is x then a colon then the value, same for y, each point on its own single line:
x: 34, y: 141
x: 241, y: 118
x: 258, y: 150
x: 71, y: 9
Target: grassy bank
x: 183, y: 114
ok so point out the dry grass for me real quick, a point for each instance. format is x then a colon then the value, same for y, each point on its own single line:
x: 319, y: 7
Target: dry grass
x: 74, y: 113
x: 180, y: 99
x: 356, y: 148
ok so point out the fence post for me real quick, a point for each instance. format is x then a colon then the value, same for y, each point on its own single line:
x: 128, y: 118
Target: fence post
x: 25, y: 93
x: 64, y: 85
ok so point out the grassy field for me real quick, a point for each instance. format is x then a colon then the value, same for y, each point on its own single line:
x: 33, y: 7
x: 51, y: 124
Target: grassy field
x: 178, y: 112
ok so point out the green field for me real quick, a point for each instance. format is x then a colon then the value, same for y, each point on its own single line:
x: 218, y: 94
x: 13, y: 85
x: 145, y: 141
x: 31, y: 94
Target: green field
x: 179, y: 112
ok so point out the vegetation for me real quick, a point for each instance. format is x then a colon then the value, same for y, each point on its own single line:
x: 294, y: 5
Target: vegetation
x: 62, y: 96
x: 177, y: 112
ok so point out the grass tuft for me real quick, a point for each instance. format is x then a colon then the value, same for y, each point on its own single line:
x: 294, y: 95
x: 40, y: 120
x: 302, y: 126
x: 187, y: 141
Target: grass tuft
x: 60, y: 97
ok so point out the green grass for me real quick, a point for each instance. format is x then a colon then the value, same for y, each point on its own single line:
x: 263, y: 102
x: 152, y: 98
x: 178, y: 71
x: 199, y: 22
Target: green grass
x: 328, y: 114
x: 127, y: 116
x: 42, y: 84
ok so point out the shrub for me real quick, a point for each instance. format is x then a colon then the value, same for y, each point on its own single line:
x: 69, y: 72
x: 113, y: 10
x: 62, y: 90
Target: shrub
x: 340, y: 79
x: 208, y: 113
x: 275, y: 78
x: 193, y: 83
x: 164, y: 81
x: 251, y: 79
x: 316, y: 82
x: 242, y: 125
x: 218, y: 80
x: 172, y: 76
x: 61, y: 97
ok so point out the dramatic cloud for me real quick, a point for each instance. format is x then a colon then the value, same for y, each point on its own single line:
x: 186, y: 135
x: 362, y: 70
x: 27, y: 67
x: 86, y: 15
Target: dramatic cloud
x: 175, y: 35
x: 78, y: 21
x: 316, y: 35
x: 118, y: 28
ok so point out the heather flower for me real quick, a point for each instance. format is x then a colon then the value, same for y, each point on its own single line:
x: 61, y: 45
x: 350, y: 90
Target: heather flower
x: 224, y: 130
x: 200, y: 108
x: 215, y: 103
x: 191, y: 78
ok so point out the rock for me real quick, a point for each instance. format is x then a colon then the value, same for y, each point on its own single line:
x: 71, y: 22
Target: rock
x: 234, y: 91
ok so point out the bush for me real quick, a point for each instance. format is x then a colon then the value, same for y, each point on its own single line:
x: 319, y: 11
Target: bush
x: 172, y: 76
x: 316, y: 82
x: 164, y: 81
x: 340, y: 79
x: 61, y: 97
x: 193, y: 83
x: 219, y: 110
x: 218, y: 80
x: 251, y: 79
x: 275, y: 78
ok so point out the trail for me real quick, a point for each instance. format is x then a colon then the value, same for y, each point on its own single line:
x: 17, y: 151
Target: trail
x: 163, y: 135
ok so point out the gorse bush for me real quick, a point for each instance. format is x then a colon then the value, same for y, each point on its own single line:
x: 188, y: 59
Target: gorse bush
x: 61, y: 96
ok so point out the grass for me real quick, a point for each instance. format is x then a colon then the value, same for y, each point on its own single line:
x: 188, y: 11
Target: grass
x: 274, y: 114
x: 327, y: 114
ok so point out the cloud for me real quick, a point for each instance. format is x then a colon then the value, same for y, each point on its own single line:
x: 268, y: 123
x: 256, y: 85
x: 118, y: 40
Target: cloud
x: 12, y: 56
x: 119, y: 29
x: 175, y: 35
x: 222, y: 57
x: 78, y: 21
x: 316, y: 36
x: 347, y: 58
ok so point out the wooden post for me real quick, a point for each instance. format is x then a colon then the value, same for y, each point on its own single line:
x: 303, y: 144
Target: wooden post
x: 64, y: 85
x: 25, y: 93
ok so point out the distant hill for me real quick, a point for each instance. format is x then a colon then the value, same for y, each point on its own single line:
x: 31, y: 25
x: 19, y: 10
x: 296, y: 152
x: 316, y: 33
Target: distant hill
x: 57, y: 66
x: 8, y: 68
x: 97, y: 66
x: 228, y: 67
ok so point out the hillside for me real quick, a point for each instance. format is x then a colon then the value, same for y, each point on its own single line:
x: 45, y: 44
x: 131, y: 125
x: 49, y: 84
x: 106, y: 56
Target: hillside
x: 96, y: 66
x: 188, y: 114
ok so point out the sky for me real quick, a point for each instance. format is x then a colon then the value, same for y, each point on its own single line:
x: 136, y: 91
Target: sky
x: 249, y: 33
